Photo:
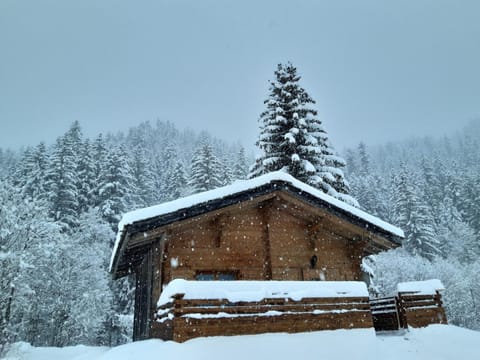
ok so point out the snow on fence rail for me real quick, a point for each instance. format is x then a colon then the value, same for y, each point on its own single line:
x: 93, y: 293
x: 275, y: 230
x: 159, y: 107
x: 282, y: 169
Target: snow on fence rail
x: 235, y: 291
x: 425, y: 287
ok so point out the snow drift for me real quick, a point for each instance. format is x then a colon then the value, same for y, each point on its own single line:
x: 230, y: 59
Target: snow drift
x: 439, y: 342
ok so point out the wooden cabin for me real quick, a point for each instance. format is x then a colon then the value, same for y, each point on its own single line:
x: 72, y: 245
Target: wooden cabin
x: 273, y: 227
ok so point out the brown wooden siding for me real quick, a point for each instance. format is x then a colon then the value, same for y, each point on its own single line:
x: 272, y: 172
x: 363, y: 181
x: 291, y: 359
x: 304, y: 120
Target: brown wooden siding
x: 260, y: 242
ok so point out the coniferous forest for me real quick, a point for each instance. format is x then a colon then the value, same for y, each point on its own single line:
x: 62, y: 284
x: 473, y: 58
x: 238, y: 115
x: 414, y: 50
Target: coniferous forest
x: 60, y: 204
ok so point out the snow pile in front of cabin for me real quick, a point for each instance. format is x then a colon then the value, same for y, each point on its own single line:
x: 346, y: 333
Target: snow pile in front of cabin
x: 235, y: 291
x: 426, y: 287
x: 438, y: 342
x: 238, y: 187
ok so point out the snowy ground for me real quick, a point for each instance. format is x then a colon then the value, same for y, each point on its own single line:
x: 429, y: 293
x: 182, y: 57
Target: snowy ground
x: 434, y: 342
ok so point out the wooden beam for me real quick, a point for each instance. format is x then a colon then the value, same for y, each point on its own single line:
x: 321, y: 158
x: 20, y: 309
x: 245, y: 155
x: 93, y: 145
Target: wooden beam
x: 267, y: 261
x: 143, y: 298
x: 217, y: 224
x: 158, y: 249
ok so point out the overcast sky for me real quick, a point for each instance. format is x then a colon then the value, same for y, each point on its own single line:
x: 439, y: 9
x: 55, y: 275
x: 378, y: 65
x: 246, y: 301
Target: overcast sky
x: 379, y: 70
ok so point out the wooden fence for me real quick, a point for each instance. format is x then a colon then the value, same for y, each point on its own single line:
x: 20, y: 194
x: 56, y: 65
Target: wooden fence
x: 386, y: 314
x: 407, y: 309
x: 183, y: 319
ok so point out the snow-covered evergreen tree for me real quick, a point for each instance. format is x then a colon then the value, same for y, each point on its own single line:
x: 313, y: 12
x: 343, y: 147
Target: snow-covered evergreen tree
x: 87, y: 180
x: 414, y: 217
x: 90, y: 316
x: 99, y: 154
x: 470, y: 201
x: 30, y: 174
x: 206, y: 170
x: 292, y: 138
x: 240, y: 167
x: 456, y: 237
x: 8, y: 162
x: 114, y: 186
x: 11, y: 210
x: 143, y: 191
x: 61, y: 183
x: 176, y: 182
x: 226, y: 169
x: 364, y: 160
x: 165, y: 166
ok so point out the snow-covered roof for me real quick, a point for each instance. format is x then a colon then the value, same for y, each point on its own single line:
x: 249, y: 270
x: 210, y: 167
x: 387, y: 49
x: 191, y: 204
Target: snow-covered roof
x: 238, y: 187
x: 426, y: 287
x: 235, y: 291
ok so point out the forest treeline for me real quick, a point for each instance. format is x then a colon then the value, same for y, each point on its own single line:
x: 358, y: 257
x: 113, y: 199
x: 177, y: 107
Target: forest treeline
x: 60, y: 205
x: 59, y: 209
x: 431, y: 189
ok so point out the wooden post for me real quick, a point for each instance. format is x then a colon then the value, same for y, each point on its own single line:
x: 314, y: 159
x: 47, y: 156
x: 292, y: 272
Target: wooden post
x: 267, y: 262
x: 143, y: 298
x: 402, y: 317
x: 177, y: 306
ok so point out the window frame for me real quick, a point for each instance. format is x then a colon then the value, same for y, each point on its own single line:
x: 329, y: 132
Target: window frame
x: 216, y: 275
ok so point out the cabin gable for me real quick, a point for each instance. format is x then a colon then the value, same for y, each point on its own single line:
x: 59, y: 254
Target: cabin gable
x: 270, y: 239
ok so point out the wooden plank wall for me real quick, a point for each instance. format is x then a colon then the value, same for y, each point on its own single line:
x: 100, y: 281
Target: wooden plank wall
x: 259, y: 243
x: 226, y: 243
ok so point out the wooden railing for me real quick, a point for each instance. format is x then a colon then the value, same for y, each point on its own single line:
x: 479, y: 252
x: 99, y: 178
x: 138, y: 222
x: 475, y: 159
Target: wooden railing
x: 422, y: 310
x: 183, y: 319
x: 386, y: 314
x: 407, y: 309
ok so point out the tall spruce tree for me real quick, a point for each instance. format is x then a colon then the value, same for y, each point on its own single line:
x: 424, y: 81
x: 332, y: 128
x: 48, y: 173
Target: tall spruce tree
x: 99, y: 151
x: 414, y: 216
x: 292, y: 138
x: 87, y: 180
x: 206, y: 170
x: 30, y: 174
x: 471, y: 202
x: 114, y: 186
x: 176, y: 182
x: 240, y: 167
x: 143, y: 191
x: 165, y: 166
x: 364, y: 160
x: 62, y: 183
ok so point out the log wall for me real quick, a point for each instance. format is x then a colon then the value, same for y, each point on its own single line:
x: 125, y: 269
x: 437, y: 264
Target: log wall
x: 263, y: 242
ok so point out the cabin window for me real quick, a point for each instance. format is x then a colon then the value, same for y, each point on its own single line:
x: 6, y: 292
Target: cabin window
x: 205, y: 276
x: 216, y: 275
